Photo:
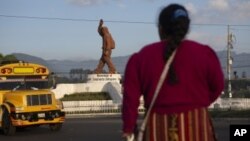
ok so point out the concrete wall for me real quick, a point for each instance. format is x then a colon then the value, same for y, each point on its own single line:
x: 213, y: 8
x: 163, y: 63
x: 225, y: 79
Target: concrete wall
x: 114, y: 89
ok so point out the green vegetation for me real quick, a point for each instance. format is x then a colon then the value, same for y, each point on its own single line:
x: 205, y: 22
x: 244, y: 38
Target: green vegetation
x: 7, y: 59
x: 240, y: 88
x: 87, y: 96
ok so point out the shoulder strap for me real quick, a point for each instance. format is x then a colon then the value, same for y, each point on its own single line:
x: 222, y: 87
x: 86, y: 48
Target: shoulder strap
x: 157, y: 90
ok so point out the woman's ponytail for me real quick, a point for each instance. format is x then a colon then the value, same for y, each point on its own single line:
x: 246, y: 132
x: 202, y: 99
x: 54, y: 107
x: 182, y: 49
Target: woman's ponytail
x: 174, y: 23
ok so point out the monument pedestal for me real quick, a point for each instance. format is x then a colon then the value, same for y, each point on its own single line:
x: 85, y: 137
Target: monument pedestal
x: 103, y: 78
x: 102, y: 83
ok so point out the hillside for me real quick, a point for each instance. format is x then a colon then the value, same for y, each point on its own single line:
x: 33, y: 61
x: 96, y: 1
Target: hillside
x: 66, y: 65
x: 33, y: 59
x: 240, y: 64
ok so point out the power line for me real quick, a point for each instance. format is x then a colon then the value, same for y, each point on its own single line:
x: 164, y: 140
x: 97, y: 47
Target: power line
x: 111, y: 21
x: 240, y: 29
x: 45, y: 18
x: 71, y: 19
x: 237, y: 67
x: 246, y: 66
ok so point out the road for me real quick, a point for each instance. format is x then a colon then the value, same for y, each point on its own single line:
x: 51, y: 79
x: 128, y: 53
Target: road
x: 98, y: 129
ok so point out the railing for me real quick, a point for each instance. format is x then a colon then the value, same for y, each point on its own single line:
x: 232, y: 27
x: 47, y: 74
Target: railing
x: 94, y: 107
x: 231, y: 103
x: 109, y: 107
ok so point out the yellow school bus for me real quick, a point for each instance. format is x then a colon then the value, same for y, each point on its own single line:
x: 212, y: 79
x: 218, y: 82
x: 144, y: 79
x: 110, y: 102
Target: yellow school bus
x: 26, y: 98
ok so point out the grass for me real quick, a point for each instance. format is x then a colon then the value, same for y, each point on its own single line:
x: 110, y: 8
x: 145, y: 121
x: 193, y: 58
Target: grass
x: 86, y: 96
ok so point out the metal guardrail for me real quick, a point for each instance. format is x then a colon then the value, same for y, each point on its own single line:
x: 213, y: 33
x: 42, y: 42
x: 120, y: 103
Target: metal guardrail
x: 92, y: 107
x: 231, y: 103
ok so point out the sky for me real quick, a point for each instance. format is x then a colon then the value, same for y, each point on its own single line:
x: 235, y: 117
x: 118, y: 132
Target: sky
x: 67, y: 29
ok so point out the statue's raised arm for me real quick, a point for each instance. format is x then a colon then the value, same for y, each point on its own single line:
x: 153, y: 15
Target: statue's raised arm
x: 100, y: 26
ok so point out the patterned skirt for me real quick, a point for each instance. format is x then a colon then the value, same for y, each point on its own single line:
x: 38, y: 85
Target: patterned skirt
x: 194, y: 125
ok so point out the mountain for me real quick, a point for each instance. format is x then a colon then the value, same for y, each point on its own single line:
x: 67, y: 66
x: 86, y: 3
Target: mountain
x: 64, y: 66
x: 33, y: 59
x: 241, y: 65
x: 67, y: 65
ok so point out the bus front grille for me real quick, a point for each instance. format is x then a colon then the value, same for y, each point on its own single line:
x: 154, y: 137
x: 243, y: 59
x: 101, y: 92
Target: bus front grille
x: 42, y: 99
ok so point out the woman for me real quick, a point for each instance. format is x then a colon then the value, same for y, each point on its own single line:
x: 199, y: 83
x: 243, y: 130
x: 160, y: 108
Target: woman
x: 194, y: 81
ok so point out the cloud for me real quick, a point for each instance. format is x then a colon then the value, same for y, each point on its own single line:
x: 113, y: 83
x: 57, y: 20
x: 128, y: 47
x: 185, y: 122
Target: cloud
x: 86, y: 2
x: 216, y: 41
x: 219, y: 4
x: 191, y: 8
x: 221, y: 11
x: 241, y: 10
x: 121, y: 4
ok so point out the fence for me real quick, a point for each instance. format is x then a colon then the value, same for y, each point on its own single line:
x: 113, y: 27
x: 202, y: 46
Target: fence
x: 109, y: 107
x: 84, y: 107
x: 92, y: 107
x: 233, y: 103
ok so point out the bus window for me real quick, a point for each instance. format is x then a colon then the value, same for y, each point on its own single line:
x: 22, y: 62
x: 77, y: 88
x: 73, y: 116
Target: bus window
x: 24, y: 83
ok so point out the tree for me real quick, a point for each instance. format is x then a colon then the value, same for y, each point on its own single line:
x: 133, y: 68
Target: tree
x: 79, y: 74
x: 76, y: 74
x: 243, y: 75
x: 1, y: 56
x: 7, y: 59
x: 240, y: 88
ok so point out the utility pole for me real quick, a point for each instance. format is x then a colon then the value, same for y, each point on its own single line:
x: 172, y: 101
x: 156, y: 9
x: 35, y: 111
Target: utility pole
x: 229, y: 59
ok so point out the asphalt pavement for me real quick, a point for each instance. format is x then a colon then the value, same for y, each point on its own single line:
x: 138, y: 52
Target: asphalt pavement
x: 100, y: 128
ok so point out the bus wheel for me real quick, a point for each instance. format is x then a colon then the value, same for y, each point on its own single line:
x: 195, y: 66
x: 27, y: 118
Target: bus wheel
x: 8, y: 128
x: 55, y: 127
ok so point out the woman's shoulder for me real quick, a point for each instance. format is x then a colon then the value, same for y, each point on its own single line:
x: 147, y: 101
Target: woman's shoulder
x: 197, y: 48
x: 147, y: 52
x: 194, y: 45
x: 152, y: 48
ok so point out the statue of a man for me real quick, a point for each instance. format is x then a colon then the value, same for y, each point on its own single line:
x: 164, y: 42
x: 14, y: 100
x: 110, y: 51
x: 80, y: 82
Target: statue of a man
x: 108, y: 44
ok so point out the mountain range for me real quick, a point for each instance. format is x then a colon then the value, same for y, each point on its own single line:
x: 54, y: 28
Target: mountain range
x: 241, y: 63
x: 64, y: 66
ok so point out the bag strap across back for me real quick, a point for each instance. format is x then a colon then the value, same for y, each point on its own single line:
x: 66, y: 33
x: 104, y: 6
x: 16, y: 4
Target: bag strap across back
x: 157, y: 90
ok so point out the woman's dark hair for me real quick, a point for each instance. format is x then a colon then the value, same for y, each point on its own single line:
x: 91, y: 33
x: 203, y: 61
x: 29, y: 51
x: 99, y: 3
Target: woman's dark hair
x: 174, y: 24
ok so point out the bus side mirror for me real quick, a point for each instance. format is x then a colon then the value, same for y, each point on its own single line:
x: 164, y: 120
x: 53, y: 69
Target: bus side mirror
x: 54, y: 85
x: 53, y: 77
